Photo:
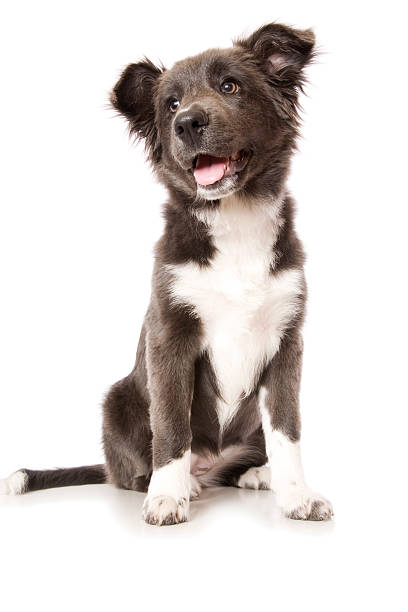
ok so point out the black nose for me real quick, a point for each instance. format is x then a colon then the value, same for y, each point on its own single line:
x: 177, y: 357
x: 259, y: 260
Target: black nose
x: 190, y: 124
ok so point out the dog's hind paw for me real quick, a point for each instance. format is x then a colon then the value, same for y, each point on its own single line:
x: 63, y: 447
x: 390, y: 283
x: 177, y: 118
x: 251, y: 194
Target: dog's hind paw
x: 195, y: 488
x: 255, y: 478
x: 165, y: 510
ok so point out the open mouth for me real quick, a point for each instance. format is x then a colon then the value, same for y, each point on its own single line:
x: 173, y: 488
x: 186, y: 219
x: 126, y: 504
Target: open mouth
x: 208, y: 169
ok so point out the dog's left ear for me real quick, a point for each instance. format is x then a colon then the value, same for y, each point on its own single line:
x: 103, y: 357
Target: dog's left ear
x: 133, y: 97
x: 283, y: 52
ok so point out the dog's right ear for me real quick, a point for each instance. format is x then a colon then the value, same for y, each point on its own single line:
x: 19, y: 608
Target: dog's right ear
x: 133, y: 97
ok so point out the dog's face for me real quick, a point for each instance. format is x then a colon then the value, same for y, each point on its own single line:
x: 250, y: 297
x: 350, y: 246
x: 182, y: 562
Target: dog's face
x: 223, y: 121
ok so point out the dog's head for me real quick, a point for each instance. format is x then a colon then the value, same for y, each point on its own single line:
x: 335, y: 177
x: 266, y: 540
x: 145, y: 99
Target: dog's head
x: 225, y: 120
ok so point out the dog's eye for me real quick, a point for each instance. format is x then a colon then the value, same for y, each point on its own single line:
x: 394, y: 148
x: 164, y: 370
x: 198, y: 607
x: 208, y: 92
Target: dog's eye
x: 229, y: 87
x: 174, y: 104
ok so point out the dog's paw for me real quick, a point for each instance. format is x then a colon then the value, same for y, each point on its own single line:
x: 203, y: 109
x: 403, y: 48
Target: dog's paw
x: 165, y: 510
x: 195, y: 488
x: 15, y: 484
x: 256, y: 478
x: 301, y: 503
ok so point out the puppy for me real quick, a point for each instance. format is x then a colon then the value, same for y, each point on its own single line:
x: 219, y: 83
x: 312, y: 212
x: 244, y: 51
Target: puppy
x: 213, y: 396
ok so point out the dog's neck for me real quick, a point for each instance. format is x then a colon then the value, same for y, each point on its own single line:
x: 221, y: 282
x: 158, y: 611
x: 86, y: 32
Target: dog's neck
x: 236, y: 212
x: 196, y: 234
x: 245, y: 226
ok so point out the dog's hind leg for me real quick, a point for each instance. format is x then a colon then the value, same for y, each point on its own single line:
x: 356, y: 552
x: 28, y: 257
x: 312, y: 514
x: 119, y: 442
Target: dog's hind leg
x: 231, y: 466
x: 127, y: 435
x: 127, y: 441
x: 258, y: 478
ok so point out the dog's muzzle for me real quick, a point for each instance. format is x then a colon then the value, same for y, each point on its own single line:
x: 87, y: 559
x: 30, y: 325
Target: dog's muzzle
x: 190, y: 125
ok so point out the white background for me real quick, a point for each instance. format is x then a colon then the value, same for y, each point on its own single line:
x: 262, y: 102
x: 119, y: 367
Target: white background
x: 80, y: 213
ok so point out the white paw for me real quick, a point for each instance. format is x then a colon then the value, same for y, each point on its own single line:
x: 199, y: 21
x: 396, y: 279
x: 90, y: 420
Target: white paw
x: 256, y: 478
x: 165, y: 510
x: 195, y: 488
x: 14, y: 484
x: 301, y: 503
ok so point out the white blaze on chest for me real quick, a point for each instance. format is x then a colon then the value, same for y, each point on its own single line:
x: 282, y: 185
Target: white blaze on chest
x: 244, y: 309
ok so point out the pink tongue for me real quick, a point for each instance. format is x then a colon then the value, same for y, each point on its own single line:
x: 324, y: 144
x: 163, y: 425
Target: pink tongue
x: 209, y: 169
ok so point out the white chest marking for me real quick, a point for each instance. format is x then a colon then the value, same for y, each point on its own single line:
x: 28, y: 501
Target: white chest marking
x: 244, y: 309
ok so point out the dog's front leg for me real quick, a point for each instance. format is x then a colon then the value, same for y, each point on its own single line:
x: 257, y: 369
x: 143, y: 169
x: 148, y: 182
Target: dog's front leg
x: 278, y: 399
x: 170, y: 368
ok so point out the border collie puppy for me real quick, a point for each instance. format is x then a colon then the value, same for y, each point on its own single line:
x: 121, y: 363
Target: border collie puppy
x: 213, y: 398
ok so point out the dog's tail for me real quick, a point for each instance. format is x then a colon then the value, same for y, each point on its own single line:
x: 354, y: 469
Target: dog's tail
x: 25, y: 481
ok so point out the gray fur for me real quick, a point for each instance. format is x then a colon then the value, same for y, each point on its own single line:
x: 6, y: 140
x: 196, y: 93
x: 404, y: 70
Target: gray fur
x: 167, y: 404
